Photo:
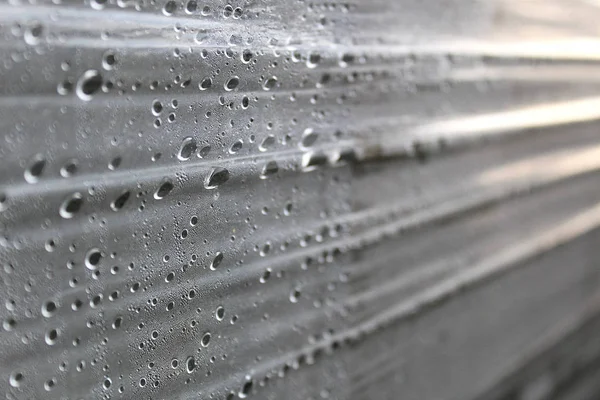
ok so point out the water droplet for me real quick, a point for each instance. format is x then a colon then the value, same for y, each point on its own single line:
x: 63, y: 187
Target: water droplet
x: 188, y: 148
x: 309, y: 137
x: 71, y: 205
x: 267, y: 142
x: 311, y: 160
x: 236, y: 146
x: 109, y: 60
x: 295, y: 295
x: 92, y: 259
x: 205, y: 339
x: 51, y: 337
x: 204, y: 151
x: 170, y: 7
x: 270, y: 83
x: 266, y: 275
x: 246, y: 56
x: 48, y: 309
x: 117, y: 323
x: 3, y: 201
x: 190, y: 364
x: 69, y: 169
x: 120, y: 201
x: 157, y: 107
x: 232, y: 83
x: 16, y: 379
x: 191, y: 7
x: 217, y: 177
x: 269, y: 169
x: 89, y: 83
x: 163, y: 190
x: 216, y: 261
x: 205, y: 84
x: 313, y: 60
x: 220, y: 313
x: 347, y: 155
x: 114, y: 163
x: 33, y: 34
x: 266, y: 249
x: 245, y: 102
x: 35, y: 169
x: 246, y: 389
x: 346, y: 59
x: 98, y: 4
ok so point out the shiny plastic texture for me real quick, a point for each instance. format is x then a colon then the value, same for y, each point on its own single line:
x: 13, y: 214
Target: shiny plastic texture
x: 294, y: 199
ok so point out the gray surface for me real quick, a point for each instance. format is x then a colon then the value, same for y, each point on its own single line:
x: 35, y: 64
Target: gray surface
x: 300, y: 200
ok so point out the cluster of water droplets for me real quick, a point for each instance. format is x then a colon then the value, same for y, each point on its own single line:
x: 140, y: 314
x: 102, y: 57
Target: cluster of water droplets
x: 174, y: 195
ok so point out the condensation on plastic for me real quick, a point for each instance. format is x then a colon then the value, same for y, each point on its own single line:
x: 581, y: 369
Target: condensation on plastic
x: 292, y: 199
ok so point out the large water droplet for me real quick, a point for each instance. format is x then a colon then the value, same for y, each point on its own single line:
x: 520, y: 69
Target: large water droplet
x: 35, y: 169
x: 89, y: 83
x: 71, y: 205
x: 216, y: 261
x: 270, y: 83
x: 205, y: 84
x: 163, y: 190
x: 236, y: 146
x: 188, y: 148
x: 309, y: 137
x: 120, y: 201
x: 216, y: 177
x: 269, y: 169
x: 268, y: 142
x: 232, y: 83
